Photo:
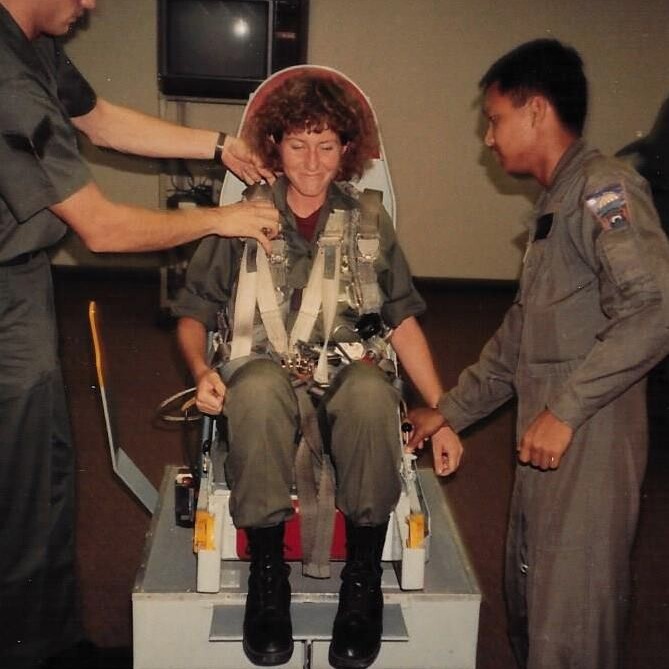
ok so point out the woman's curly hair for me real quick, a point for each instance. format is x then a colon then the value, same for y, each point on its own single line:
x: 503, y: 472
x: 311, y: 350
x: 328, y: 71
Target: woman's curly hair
x: 314, y: 103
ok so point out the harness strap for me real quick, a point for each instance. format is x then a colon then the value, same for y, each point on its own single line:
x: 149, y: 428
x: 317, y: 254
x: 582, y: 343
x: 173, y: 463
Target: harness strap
x: 256, y: 286
x: 245, y: 303
x: 322, y: 287
x: 271, y: 314
x: 331, y: 269
x: 314, y: 476
x: 311, y: 303
x: 367, y: 250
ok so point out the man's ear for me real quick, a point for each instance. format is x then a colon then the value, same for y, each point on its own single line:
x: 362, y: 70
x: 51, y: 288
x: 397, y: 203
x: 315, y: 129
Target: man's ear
x: 538, y: 106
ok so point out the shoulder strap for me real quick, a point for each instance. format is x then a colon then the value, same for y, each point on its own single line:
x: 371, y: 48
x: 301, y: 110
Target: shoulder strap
x: 322, y: 287
x: 367, y: 248
x: 255, y: 285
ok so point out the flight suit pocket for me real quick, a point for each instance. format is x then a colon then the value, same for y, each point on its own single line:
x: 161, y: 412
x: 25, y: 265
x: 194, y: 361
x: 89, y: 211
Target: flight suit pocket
x: 541, y: 370
x: 623, y: 260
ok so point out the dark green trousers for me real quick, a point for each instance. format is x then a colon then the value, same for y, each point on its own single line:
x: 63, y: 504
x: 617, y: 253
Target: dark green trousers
x: 359, y: 427
x: 37, y: 582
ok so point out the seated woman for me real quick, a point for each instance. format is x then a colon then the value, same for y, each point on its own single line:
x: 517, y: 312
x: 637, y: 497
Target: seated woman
x: 317, y: 135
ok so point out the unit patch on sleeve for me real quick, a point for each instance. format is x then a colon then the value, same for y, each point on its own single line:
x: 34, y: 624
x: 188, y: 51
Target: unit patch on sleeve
x: 609, y: 207
x: 35, y: 144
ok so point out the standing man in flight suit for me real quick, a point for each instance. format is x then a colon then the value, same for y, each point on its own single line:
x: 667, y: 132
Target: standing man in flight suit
x: 46, y: 186
x: 591, y: 318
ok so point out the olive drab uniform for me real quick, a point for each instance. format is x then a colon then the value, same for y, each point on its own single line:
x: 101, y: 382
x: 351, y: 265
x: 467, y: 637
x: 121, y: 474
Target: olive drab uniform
x: 260, y: 404
x: 40, y: 89
x: 590, y: 319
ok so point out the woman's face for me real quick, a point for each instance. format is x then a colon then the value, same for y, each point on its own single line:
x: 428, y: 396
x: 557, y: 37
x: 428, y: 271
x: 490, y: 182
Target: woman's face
x: 310, y: 161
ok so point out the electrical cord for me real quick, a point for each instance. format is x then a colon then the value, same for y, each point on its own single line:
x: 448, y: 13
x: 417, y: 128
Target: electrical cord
x: 199, y: 192
x: 165, y: 408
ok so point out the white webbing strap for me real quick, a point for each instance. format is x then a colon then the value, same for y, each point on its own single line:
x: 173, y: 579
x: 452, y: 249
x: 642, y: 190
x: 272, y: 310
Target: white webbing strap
x: 331, y: 265
x: 310, y: 305
x: 256, y: 286
x: 322, y: 287
x: 245, y: 302
x: 271, y: 314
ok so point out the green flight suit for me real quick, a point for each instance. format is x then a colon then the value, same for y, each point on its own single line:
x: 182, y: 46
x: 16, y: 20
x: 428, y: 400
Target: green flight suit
x: 260, y: 404
x: 590, y: 319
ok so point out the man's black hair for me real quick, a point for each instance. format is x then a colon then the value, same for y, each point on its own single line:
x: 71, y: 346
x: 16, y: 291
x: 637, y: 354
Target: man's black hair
x: 544, y: 67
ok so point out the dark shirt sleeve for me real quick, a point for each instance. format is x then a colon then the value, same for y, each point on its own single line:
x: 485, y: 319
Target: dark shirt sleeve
x: 400, y: 297
x: 210, y: 281
x: 41, y: 164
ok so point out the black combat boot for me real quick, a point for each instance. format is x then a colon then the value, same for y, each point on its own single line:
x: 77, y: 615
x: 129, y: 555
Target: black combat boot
x: 358, y: 625
x: 268, y: 632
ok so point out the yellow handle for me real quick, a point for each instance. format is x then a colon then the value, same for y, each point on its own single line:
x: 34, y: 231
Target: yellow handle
x: 97, y: 342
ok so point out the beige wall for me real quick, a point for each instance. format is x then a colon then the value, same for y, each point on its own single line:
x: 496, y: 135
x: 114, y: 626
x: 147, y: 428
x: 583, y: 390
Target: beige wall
x: 419, y: 61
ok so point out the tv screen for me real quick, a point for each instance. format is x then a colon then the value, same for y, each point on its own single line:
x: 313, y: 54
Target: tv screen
x: 218, y: 39
x: 225, y: 48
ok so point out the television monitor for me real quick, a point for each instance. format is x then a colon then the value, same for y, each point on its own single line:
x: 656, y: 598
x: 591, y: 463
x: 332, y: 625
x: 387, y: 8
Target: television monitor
x: 226, y: 48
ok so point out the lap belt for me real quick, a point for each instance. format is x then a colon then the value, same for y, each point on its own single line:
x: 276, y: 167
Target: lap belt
x: 314, y: 476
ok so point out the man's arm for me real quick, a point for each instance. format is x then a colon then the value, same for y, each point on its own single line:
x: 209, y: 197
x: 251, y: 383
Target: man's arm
x: 489, y: 382
x: 107, y: 226
x: 481, y: 388
x: 632, y: 261
x: 129, y: 131
x: 210, y: 393
x: 415, y: 356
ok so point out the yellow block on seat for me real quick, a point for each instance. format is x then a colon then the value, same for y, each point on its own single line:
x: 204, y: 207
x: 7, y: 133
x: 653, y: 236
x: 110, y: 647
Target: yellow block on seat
x: 416, y: 530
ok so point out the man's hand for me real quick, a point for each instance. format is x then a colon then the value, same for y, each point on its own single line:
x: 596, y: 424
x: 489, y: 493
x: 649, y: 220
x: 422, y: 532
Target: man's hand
x: 545, y: 441
x: 446, y: 451
x: 258, y: 219
x: 210, y: 393
x: 243, y: 162
x: 425, y: 422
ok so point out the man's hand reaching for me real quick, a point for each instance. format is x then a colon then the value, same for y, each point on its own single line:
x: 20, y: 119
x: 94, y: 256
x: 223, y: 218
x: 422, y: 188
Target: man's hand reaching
x: 257, y: 219
x: 425, y: 422
x: 238, y: 158
x: 446, y: 445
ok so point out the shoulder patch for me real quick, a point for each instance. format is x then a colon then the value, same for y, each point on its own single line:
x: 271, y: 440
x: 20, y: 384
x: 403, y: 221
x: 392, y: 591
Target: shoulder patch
x: 35, y: 144
x: 609, y: 207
